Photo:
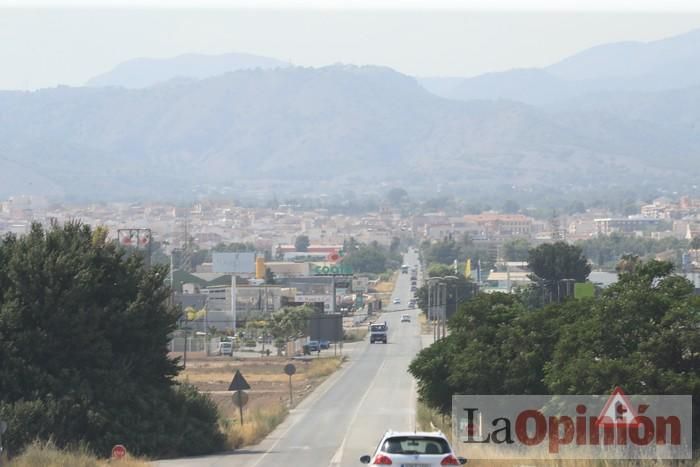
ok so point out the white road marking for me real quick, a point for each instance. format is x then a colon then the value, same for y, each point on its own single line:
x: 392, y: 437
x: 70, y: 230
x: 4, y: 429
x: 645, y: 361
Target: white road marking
x: 338, y: 457
x: 312, y: 398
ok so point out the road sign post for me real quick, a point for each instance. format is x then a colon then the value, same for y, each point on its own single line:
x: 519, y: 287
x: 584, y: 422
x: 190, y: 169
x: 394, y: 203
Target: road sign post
x: 239, y: 384
x: 290, y: 369
x: 240, y: 399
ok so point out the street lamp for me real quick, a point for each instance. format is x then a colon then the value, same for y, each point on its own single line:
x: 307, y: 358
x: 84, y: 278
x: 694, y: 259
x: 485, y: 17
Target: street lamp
x: 433, y: 297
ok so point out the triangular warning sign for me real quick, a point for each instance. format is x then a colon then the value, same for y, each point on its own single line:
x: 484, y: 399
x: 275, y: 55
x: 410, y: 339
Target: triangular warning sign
x: 617, y: 411
x: 238, y: 383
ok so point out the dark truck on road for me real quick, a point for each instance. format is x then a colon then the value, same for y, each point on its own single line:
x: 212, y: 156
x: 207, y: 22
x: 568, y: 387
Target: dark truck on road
x: 378, y: 332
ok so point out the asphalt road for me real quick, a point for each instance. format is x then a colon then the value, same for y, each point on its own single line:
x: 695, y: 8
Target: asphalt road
x: 346, y: 416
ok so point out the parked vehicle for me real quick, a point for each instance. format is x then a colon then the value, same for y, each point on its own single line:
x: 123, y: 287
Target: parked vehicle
x: 423, y: 449
x: 225, y: 348
x: 314, y: 346
x: 324, y: 345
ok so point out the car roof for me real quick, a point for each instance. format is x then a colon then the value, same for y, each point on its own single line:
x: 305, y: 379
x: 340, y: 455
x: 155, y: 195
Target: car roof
x: 434, y: 434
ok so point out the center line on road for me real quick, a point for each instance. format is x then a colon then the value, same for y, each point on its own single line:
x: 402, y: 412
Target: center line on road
x: 338, y: 457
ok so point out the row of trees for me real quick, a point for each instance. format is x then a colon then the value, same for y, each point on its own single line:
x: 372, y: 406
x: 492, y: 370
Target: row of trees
x: 448, y: 250
x: 372, y: 258
x: 83, y: 349
x: 640, y: 333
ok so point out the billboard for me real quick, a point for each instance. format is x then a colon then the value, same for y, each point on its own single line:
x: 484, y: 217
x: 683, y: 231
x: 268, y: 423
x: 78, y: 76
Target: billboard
x: 234, y: 263
x: 326, y: 326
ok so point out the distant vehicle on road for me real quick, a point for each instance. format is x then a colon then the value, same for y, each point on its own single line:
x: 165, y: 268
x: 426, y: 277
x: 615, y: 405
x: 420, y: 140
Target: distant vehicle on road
x: 314, y: 346
x: 404, y: 269
x: 422, y: 449
x: 405, y: 318
x: 413, y: 288
x: 397, y: 301
x: 225, y: 348
x: 378, y: 332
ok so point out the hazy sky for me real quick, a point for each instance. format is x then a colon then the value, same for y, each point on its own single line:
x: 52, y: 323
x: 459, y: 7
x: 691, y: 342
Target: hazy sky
x: 45, y: 46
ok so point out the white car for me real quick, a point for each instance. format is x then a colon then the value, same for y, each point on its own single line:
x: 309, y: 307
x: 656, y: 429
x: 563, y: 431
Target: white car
x: 405, y: 318
x: 397, y: 301
x: 424, y: 449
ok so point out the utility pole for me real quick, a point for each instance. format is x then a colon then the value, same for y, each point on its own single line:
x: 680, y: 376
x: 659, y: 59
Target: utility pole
x: 234, y: 296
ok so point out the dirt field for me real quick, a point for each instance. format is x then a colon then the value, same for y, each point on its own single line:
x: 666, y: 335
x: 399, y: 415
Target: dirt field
x: 269, y: 384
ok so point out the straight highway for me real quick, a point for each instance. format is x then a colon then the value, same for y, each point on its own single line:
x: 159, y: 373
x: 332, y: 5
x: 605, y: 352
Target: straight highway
x: 346, y: 416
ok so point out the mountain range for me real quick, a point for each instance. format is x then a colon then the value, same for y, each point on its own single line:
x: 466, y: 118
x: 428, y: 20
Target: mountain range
x: 267, y: 124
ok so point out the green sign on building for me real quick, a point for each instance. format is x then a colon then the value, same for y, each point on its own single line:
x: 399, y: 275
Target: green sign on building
x: 334, y: 270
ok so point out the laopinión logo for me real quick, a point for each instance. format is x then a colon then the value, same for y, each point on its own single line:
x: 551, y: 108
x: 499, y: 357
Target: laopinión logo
x: 616, y: 426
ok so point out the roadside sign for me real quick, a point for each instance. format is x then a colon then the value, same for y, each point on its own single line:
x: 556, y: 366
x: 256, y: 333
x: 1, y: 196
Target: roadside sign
x: 290, y: 369
x: 233, y: 263
x: 118, y: 451
x: 617, y: 411
x: 240, y: 399
x: 238, y: 383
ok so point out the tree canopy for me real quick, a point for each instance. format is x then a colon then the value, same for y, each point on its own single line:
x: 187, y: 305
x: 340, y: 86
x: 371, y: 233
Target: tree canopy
x: 640, y: 333
x: 557, y: 261
x: 302, y: 243
x: 370, y: 258
x: 83, y: 344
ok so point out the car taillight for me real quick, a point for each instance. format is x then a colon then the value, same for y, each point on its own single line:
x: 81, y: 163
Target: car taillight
x: 450, y: 460
x: 381, y: 459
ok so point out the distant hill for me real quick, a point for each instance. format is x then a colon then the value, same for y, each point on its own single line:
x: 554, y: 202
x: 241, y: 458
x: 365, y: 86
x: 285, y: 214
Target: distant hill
x: 143, y: 72
x: 343, y: 126
x: 627, y: 66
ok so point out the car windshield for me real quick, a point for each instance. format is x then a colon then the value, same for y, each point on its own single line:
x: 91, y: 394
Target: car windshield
x: 416, y: 445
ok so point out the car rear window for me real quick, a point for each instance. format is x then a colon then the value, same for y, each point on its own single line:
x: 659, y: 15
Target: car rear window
x: 416, y: 445
x: 378, y: 327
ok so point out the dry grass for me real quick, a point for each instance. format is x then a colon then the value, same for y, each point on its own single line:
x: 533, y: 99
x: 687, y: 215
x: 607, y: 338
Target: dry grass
x: 385, y: 286
x: 322, y: 367
x: 426, y: 327
x: 225, y: 377
x: 356, y: 334
x: 41, y: 454
x: 429, y: 420
x: 258, y: 424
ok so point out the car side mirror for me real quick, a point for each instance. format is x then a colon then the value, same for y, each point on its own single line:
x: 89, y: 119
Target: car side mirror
x: 365, y: 459
x: 462, y: 460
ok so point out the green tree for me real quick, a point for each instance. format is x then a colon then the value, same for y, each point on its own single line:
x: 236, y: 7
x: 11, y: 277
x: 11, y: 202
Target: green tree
x: 269, y: 276
x: 288, y: 323
x: 83, y: 344
x: 641, y: 334
x: 372, y: 258
x: 516, y: 250
x: 302, y: 243
x: 557, y: 261
x: 444, y: 252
